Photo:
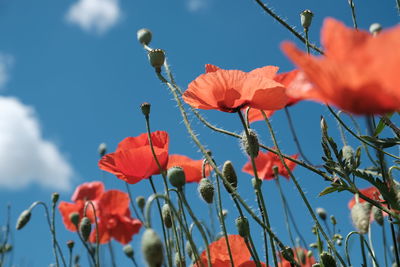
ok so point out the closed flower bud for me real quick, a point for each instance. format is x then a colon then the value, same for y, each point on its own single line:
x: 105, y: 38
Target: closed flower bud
x: 324, y: 127
x: 55, y: 197
x: 23, y: 219
x: 179, y: 262
x: 321, y: 213
x: 102, y: 149
x: 287, y: 254
x: 128, y: 250
x: 224, y: 213
x: 85, y: 227
x: 327, y: 259
x: 348, y: 156
x: 74, y: 218
x: 206, y: 190
x: 375, y: 28
x: 166, y: 215
x: 250, y: 144
x: 313, y: 245
x: 70, y: 244
x: 378, y: 215
x: 339, y: 242
x: 306, y: 18
x: 144, y: 36
x: 152, y: 248
x: 176, y: 177
x: 333, y: 220
x: 309, y: 254
x: 141, y: 202
x: 360, y: 214
x: 230, y: 176
x: 145, y: 107
x: 242, y: 225
x: 157, y: 58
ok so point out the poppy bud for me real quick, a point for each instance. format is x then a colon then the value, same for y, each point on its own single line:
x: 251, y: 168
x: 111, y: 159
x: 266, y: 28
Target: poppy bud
x: 144, y: 36
x: 313, y: 245
x: 287, y: 254
x: 178, y: 261
x: 324, y: 127
x: 74, y: 218
x: 128, y: 250
x: 176, y: 177
x: 55, y: 197
x: 70, y: 244
x: 157, y: 58
x: 375, y: 28
x: 327, y: 259
x: 166, y: 215
x: 102, y: 149
x: 348, y: 156
x: 378, y: 215
x: 256, y: 183
x: 23, y: 219
x: 333, y: 220
x: 360, y: 214
x: 339, y: 242
x: 230, y: 176
x: 206, y: 190
x: 250, y: 143
x: 224, y: 213
x: 321, y: 213
x: 141, y: 202
x: 309, y: 254
x: 242, y: 225
x: 145, y: 107
x: 152, y: 248
x: 85, y: 227
x: 306, y: 18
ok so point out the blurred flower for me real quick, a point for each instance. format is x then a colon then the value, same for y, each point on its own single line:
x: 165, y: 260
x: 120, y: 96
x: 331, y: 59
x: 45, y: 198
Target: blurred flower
x: 85, y: 192
x: 133, y: 160
x: 232, y: 90
x: 219, y: 252
x: 304, y: 260
x: 192, y: 168
x: 358, y: 73
x: 265, y: 162
x: 371, y: 192
x: 114, y: 218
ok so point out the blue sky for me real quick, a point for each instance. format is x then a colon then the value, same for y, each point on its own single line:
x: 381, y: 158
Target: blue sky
x: 72, y: 75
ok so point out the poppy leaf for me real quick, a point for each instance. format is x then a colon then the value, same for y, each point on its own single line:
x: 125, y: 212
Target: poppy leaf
x: 328, y: 190
x: 381, y: 124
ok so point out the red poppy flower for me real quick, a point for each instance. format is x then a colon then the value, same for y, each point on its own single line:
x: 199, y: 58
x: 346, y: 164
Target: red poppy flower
x: 371, y: 192
x: 133, y: 160
x: 265, y: 162
x: 358, y: 73
x: 85, y: 192
x: 304, y: 260
x: 114, y: 219
x: 232, y: 90
x: 219, y: 252
x: 192, y: 168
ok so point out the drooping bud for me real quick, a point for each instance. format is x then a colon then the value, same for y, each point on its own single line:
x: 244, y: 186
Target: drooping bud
x: 360, y: 214
x: 242, y: 225
x: 128, y: 251
x: 333, y: 220
x: 102, y: 149
x: 375, y: 28
x: 306, y: 18
x: 206, y: 190
x: 55, y: 197
x: 141, y: 202
x: 176, y: 177
x: 321, y: 213
x: 145, y: 107
x: 179, y: 262
x: 70, y: 244
x: 157, y: 58
x: 230, y: 175
x: 378, y: 215
x: 23, y: 219
x: 250, y: 144
x: 152, y: 248
x: 144, y: 36
x: 327, y: 259
x: 74, y: 218
x: 85, y: 227
x: 339, y: 242
x: 166, y: 215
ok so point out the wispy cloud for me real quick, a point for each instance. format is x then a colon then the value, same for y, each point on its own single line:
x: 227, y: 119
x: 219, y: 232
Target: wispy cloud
x: 6, y: 62
x: 96, y: 16
x: 25, y: 157
x: 196, y: 5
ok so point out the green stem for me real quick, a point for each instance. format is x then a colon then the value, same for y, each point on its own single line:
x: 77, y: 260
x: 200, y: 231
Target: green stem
x: 132, y: 204
x: 97, y: 263
x: 364, y: 258
x: 353, y: 13
x: 111, y: 250
x: 307, y: 41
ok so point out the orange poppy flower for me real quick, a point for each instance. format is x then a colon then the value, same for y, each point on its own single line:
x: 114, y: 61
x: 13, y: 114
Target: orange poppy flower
x: 85, y: 192
x: 265, y: 162
x: 192, y: 168
x: 304, y: 261
x: 114, y: 219
x: 133, y: 160
x: 232, y: 90
x: 219, y: 252
x: 358, y: 73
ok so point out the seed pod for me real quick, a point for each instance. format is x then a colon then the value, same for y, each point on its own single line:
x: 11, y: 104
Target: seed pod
x: 360, y: 214
x: 23, y: 219
x: 156, y: 58
x: 321, y: 213
x: 152, y: 248
x: 176, y: 177
x: 85, y: 227
x: 141, y: 202
x: 242, y: 225
x: 230, y: 175
x: 333, y: 220
x: 166, y: 215
x: 144, y: 36
x: 306, y: 18
x: 206, y: 190
x: 327, y: 259
x: 145, y: 107
x: 128, y: 250
x: 250, y: 143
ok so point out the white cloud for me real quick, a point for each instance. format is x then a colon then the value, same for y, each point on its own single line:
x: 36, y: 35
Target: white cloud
x: 94, y: 15
x: 196, y: 5
x: 25, y: 157
x: 6, y: 62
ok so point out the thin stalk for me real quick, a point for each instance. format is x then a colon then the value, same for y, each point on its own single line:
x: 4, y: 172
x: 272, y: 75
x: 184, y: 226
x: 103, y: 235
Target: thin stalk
x: 132, y: 204
x: 398, y: 6
x: 303, y: 196
x: 307, y: 41
x: 389, y: 123
x: 134, y: 261
x: 341, y: 131
x: 7, y: 233
x: 385, y: 247
x: 249, y: 248
x: 353, y: 13
x: 364, y: 258
x: 89, y: 203
x: 370, y: 243
x: 112, y: 255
